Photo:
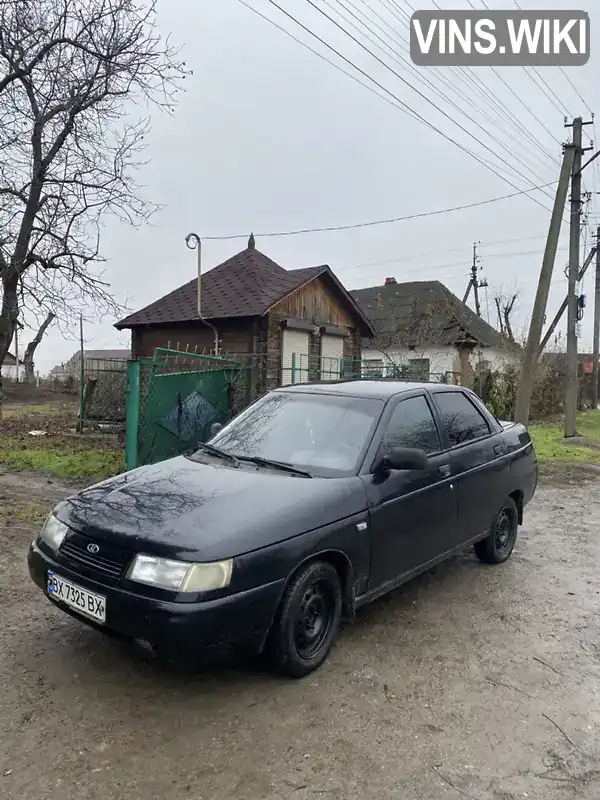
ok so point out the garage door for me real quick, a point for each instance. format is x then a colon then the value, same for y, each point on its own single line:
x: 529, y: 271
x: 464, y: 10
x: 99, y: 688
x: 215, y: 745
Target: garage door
x: 294, y: 342
x: 332, y: 350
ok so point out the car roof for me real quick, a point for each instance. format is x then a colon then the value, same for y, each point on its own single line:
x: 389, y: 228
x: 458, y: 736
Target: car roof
x: 381, y: 389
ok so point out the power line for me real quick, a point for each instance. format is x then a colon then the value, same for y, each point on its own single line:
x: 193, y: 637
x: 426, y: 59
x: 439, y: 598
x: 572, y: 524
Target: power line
x: 508, y: 149
x: 372, y: 223
x: 416, y: 90
x: 423, y: 96
x: 485, y: 92
x: 320, y: 55
x: 537, y: 72
x: 399, y: 103
x: 439, y: 267
x: 556, y: 102
x: 416, y: 256
x: 403, y: 43
x: 576, y: 90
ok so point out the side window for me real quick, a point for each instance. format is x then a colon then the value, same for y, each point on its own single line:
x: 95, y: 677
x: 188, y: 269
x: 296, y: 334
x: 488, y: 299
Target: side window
x: 461, y: 419
x: 412, y: 425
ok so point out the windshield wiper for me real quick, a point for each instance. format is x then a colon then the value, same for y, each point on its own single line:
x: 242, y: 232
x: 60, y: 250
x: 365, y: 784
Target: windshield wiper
x: 268, y: 462
x: 216, y: 451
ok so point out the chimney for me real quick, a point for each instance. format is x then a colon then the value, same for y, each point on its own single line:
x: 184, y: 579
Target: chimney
x: 389, y: 281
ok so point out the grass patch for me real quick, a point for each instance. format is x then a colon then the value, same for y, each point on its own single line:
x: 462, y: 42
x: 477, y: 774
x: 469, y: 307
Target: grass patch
x: 39, y: 410
x: 550, y: 445
x: 64, y: 457
x: 588, y: 424
x: 22, y: 511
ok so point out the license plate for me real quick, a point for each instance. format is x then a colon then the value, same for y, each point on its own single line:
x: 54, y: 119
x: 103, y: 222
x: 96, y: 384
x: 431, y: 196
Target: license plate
x: 76, y: 597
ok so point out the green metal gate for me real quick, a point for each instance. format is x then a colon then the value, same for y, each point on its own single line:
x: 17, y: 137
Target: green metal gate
x: 173, y: 400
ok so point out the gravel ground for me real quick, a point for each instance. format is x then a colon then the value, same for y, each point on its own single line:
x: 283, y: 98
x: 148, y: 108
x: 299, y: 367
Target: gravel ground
x: 471, y: 682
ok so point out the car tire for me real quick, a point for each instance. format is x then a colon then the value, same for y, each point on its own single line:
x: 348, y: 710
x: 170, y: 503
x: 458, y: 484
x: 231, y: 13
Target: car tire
x: 307, y: 620
x: 498, y: 546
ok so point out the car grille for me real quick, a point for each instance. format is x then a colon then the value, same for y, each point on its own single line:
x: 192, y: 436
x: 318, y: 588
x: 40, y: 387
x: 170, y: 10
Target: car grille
x: 109, y: 561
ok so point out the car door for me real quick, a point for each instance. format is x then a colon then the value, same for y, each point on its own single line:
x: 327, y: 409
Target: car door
x: 476, y: 450
x: 413, y: 514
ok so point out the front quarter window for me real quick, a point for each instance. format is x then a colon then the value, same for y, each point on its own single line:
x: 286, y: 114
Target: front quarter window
x: 321, y: 433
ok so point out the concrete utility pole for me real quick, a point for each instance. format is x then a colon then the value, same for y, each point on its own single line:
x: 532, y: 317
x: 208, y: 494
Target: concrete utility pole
x: 563, y: 305
x: 572, y: 297
x: 474, y: 282
x: 596, y: 323
x: 541, y: 298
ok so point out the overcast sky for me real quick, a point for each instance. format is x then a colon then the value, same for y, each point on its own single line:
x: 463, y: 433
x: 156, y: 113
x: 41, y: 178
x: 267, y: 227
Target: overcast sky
x: 268, y: 137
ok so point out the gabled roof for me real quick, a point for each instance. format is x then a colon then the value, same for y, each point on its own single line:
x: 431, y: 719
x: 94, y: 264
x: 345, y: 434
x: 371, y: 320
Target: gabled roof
x: 100, y: 355
x: 424, y: 313
x: 114, y: 355
x: 246, y: 285
x: 11, y: 361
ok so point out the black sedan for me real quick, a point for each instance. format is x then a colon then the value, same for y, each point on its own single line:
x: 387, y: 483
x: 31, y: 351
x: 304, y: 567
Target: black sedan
x: 310, y: 503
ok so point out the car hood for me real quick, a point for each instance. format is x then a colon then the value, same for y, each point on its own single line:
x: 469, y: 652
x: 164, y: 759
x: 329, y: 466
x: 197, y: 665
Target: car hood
x: 185, y: 509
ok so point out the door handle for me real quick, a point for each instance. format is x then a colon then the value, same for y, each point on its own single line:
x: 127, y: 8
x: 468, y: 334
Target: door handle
x: 444, y: 470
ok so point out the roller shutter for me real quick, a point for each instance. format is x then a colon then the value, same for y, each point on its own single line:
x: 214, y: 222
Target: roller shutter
x: 294, y: 342
x: 332, y: 350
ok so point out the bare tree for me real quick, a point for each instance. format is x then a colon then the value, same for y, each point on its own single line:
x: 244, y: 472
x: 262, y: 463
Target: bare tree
x: 504, y: 307
x: 33, y: 344
x: 415, y: 325
x: 72, y: 71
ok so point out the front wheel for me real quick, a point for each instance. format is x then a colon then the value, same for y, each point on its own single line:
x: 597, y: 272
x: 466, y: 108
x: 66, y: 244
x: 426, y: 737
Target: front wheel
x: 498, y: 546
x: 307, y: 621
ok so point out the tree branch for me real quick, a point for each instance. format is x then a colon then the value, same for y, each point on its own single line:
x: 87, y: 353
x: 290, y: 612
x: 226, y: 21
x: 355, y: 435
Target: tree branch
x: 72, y: 74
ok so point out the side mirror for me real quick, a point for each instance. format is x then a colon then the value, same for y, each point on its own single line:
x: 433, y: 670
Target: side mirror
x: 404, y: 458
x: 215, y: 428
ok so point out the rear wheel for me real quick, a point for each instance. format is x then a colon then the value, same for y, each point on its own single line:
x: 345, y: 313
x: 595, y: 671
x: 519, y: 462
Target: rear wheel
x: 498, y: 546
x: 307, y: 621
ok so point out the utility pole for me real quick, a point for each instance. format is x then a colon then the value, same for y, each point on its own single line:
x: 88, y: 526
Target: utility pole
x: 474, y: 282
x: 596, y: 323
x: 572, y: 297
x: 563, y: 305
x: 541, y: 298
x: 474, y: 279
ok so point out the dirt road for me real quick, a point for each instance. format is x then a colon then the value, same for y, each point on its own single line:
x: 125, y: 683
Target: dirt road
x: 473, y: 682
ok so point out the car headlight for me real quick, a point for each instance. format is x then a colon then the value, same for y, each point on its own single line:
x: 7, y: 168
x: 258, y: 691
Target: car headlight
x: 53, y: 532
x: 180, y: 576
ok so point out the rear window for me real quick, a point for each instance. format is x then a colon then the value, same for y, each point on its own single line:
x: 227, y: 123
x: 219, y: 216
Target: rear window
x: 412, y: 425
x: 462, y: 420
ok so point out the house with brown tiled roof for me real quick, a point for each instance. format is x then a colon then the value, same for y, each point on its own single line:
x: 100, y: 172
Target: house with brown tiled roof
x: 296, y: 325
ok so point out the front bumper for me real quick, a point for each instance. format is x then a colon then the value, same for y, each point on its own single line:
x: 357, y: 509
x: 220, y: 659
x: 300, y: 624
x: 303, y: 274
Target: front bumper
x: 178, y: 629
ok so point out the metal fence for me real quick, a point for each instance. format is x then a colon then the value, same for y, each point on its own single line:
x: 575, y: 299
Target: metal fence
x: 318, y: 368
x: 173, y: 399
x: 102, y: 387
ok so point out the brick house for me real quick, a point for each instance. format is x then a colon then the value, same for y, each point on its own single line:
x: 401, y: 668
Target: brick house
x: 297, y: 325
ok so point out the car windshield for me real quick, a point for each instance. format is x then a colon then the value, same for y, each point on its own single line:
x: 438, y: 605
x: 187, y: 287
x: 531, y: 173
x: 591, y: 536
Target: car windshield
x: 320, y: 433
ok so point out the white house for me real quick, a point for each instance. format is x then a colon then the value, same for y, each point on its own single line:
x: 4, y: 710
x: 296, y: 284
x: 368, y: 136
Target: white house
x: 9, y: 368
x: 424, y: 331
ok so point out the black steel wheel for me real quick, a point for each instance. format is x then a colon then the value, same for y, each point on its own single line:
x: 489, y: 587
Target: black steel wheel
x: 498, y: 546
x: 307, y: 621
